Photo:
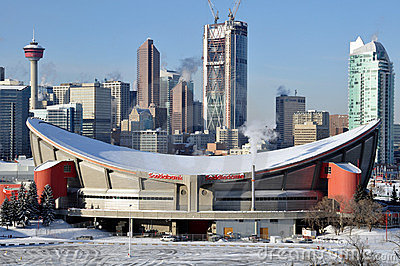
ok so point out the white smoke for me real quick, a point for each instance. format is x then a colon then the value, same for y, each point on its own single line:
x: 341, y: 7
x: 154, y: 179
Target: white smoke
x: 257, y: 132
x: 115, y: 76
x: 189, y: 67
x: 282, y: 91
x: 48, y: 73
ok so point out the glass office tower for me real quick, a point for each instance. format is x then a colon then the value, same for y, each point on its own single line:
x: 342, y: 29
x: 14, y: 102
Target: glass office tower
x: 371, y: 92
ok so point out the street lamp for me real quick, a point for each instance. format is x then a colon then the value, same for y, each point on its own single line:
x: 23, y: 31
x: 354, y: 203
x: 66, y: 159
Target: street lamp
x: 387, y: 211
x: 130, y: 231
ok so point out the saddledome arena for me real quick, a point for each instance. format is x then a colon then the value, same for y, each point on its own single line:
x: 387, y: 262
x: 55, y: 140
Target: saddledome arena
x: 196, y: 194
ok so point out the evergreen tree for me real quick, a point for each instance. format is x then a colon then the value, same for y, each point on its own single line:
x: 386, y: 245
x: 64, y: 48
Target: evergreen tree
x: 5, y: 213
x: 21, y: 212
x: 394, y: 195
x: 14, y: 206
x: 33, y: 207
x: 47, y: 205
x: 360, y: 194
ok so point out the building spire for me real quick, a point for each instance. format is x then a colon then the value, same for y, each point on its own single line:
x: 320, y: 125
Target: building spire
x: 33, y: 36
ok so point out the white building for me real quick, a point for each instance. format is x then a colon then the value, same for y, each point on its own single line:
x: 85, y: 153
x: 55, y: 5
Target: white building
x: 120, y: 101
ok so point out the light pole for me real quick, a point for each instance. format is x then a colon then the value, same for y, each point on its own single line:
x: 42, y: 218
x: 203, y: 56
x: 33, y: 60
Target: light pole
x: 130, y: 232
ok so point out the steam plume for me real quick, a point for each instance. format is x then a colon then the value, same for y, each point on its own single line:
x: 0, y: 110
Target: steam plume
x: 189, y: 67
x: 115, y: 76
x: 257, y: 132
x: 282, y: 91
x: 48, y: 73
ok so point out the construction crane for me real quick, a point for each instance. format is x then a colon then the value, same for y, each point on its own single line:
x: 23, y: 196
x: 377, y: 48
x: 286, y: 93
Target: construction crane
x: 232, y: 13
x: 213, y: 12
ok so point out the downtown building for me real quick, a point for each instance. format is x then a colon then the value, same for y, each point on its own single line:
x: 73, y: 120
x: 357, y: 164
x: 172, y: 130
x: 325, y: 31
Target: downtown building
x: 310, y: 126
x: 286, y: 106
x: 371, y: 93
x: 14, y: 111
x: 338, y: 124
x: 120, y: 101
x: 96, y: 110
x: 148, y: 74
x: 168, y: 80
x: 66, y: 116
x: 182, y: 108
x: 225, y: 75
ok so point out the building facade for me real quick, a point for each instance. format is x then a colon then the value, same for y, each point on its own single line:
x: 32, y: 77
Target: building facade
x: 2, y: 73
x: 371, y: 92
x: 66, y: 116
x: 148, y: 74
x: 62, y: 92
x: 320, y: 118
x: 286, y: 106
x: 225, y: 75
x: 231, y: 138
x: 96, y: 109
x: 168, y: 80
x: 338, y: 124
x: 14, y: 111
x: 182, y: 108
x: 150, y: 141
x: 308, y: 132
x: 120, y: 101
x: 198, y: 122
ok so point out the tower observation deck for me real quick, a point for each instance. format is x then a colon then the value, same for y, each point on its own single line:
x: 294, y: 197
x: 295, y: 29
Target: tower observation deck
x: 34, y: 52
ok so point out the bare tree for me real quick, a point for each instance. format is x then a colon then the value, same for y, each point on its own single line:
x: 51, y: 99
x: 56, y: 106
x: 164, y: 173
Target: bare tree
x: 371, y: 213
x: 362, y: 255
x: 324, y: 213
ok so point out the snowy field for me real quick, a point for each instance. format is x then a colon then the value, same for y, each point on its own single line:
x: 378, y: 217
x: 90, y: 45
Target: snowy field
x: 58, y: 245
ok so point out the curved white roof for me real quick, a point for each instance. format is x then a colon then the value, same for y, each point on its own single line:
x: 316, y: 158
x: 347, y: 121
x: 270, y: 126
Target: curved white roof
x: 133, y: 160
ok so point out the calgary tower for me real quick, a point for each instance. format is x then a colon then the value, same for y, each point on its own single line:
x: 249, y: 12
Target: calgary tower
x: 34, y: 52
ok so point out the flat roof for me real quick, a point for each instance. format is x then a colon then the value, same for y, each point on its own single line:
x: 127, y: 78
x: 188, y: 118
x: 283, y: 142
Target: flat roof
x: 130, y: 160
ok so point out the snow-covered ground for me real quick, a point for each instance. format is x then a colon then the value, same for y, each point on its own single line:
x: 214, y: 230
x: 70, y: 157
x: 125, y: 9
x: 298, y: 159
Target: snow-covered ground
x: 59, y: 246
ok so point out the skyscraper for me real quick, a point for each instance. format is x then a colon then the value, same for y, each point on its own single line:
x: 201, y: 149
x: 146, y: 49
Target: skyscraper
x: 182, y: 108
x: 120, y: 101
x: 286, y: 106
x: 225, y: 74
x: 168, y: 81
x: 96, y: 110
x: 14, y: 110
x: 198, y: 122
x: 148, y: 74
x: 371, y: 92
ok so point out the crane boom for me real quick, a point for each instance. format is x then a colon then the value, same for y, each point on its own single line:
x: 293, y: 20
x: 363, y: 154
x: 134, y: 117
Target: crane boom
x: 232, y: 13
x: 215, y: 15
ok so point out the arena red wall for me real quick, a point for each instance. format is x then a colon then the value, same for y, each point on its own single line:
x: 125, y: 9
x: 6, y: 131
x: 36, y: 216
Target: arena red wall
x: 55, y: 176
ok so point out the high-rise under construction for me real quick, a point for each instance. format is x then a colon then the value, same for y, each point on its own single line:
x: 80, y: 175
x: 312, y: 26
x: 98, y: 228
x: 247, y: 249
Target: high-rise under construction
x: 225, y: 74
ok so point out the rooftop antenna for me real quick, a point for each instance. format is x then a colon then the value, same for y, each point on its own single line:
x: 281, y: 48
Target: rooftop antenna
x: 33, y: 35
x: 295, y: 92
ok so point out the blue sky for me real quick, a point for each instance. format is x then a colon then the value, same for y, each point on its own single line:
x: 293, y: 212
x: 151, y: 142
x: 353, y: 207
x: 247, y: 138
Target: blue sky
x: 301, y: 45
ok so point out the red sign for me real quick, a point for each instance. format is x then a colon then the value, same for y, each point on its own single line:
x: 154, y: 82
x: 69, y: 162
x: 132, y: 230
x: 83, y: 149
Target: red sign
x: 224, y: 177
x: 165, y: 176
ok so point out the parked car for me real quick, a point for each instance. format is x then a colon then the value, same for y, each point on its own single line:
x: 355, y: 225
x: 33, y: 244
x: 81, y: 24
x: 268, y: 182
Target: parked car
x: 168, y: 238
x: 214, y: 238
x: 306, y: 241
